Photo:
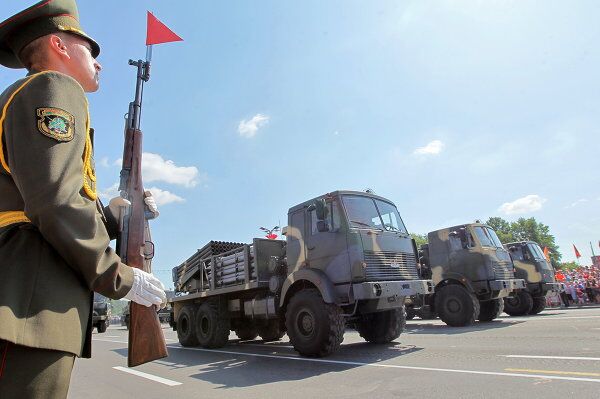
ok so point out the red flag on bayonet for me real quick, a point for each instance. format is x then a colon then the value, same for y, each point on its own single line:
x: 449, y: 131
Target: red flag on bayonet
x: 577, y: 254
x: 157, y: 32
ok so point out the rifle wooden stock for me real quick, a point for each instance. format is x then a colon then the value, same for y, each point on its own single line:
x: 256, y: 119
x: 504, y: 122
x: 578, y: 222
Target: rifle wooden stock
x: 146, y: 339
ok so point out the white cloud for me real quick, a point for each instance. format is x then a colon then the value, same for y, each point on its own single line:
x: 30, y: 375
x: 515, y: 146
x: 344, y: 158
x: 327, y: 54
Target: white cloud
x: 578, y: 202
x: 432, y: 148
x: 249, y: 128
x: 529, y: 203
x: 109, y: 192
x: 155, y: 168
x: 163, y: 197
x: 104, y: 162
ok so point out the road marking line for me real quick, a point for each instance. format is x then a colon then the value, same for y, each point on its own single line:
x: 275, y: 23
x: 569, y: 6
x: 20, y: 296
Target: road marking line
x: 349, y: 363
x: 551, y: 318
x: 553, y: 357
x: 155, y: 378
x: 556, y: 372
x: 109, y: 340
x: 112, y: 336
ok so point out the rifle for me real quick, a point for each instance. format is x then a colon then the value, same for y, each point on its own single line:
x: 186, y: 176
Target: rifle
x: 134, y: 244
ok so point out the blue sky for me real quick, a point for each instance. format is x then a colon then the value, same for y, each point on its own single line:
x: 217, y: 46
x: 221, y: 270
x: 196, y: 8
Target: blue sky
x: 455, y: 110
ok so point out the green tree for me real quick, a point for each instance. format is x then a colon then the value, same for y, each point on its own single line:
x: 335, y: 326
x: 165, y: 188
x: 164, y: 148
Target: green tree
x: 527, y: 230
x: 568, y: 265
x: 502, y: 228
x: 420, y: 239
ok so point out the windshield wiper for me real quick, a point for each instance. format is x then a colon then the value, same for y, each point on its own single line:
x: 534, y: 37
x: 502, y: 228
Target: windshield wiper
x: 361, y: 223
x: 391, y: 227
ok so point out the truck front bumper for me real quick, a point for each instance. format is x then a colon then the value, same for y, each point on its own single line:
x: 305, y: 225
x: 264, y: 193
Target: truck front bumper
x: 391, y: 290
x: 551, y: 287
x: 509, y: 285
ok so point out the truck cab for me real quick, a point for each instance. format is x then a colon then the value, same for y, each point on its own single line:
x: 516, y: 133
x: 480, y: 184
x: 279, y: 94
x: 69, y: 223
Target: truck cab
x: 101, y: 313
x: 531, y: 265
x: 358, y: 241
x: 471, y: 271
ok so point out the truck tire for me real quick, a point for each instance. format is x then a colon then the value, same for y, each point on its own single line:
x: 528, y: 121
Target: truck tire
x: 518, y: 305
x: 489, y: 310
x: 315, y: 328
x: 271, y: 332
x: 456, y: 306
x: 212, y: 325
x: 246, y: 332
x: 410, y: 313
x: 186, y: 322
x: 539, y: 304
x: 382, y: 327
x: 102, y: 326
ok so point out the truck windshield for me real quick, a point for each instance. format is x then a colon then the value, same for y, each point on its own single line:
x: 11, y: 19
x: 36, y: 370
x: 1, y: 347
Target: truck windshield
x: 487, y: 237
x: 370, y: 213
x: 537, y: 253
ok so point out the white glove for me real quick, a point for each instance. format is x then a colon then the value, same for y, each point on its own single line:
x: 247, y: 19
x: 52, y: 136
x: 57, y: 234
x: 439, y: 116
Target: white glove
x: 117, y: 205
x: 151, y: 203
x: 147, y: 290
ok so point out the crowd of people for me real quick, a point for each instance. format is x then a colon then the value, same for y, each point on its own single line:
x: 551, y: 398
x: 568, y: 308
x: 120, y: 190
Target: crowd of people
x: 581, y: 285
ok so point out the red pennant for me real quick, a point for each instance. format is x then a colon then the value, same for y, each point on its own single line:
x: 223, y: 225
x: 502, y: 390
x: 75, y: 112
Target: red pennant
x: 157, y: 32
x: 577, y: 254
x: 271, y: 236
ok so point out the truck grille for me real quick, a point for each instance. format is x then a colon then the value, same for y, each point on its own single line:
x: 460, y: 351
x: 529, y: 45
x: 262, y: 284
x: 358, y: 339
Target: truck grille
x: 503, y: 271
x: 390, y: 266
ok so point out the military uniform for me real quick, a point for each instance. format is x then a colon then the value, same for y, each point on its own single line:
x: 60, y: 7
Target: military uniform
x: 54, y: 233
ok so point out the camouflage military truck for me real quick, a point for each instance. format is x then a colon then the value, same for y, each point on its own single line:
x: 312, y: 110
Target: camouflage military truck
x: 532, y: 266
x: 471, y: 272
x: 101, y: 313
x: 346, y: 258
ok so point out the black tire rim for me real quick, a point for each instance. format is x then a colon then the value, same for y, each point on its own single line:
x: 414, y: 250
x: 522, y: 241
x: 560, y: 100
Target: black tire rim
x: 453, y: 305
x: 185, y: 325
x: 305, y: 323
x: 204, y: 325
x: 513, y: 301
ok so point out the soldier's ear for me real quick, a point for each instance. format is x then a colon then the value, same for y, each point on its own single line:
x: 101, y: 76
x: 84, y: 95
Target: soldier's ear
x: 59, y: 46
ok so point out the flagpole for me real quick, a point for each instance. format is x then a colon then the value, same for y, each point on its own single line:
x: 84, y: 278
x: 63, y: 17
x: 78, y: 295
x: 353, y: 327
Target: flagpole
x: 149, y: 53
x: 592, y: 248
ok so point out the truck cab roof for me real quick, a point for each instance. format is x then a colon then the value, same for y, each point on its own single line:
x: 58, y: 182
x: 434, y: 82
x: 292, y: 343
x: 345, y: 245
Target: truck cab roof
x: 337, y: 194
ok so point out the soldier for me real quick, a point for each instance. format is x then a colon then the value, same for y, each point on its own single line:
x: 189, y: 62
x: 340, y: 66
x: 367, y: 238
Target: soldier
x: 54, y: 233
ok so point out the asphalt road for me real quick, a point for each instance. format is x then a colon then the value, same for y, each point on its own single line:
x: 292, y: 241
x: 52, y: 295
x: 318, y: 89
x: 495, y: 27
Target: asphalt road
x: 552, y: 355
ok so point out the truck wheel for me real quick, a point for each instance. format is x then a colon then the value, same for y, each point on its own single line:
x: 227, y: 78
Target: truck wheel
x: 382, y: 327
x: 212, y: 325
x: 271, y: 332
x: 315, y: 328
x: 185, y: 326
x: 410, y: 313
x: 518, y: 305
x: 246, y: 332
x: 102, y: 326
x: 539, y: 304
x: 456, y: 306
x: 489, y: 310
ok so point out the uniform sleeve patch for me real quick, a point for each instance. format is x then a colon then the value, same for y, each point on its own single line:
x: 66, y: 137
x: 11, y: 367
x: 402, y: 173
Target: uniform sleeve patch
x: 56, y: 123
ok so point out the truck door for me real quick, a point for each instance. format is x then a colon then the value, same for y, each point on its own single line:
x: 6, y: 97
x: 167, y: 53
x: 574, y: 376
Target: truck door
x: 327, y: 250
x: 296, y: 245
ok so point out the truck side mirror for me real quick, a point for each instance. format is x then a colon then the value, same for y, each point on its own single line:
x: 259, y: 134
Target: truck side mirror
x: 322, y: 226
x: 321, y: 209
